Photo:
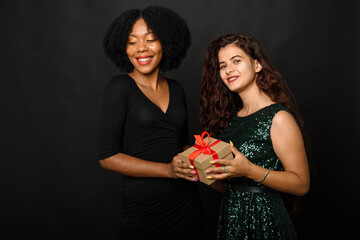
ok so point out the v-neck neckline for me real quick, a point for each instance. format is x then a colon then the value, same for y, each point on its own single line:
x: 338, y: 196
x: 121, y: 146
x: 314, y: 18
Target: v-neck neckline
x: 151, y: 102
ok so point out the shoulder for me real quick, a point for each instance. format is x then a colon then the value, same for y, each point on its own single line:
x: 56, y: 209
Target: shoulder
x: 120, y: 81
x: 277, y: 113
x: 175, y: 86
x: 284, y: 123
x: 119, y: 89
x: 274, y: 108
x: 119, y: 84
x: 283, y: 117
x: 174, y: 83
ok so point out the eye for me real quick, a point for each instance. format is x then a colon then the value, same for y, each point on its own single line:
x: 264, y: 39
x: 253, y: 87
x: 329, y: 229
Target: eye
x: 131, y: 43
x: 151, y: 40
x: 151, y: 37
x: 236, y: 61
x: 223, y: 66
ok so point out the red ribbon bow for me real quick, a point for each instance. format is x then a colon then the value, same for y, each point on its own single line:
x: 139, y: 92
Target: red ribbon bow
x: 204, y: 148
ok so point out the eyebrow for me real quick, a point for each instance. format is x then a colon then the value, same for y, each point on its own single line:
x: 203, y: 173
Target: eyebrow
x: 231, y: 58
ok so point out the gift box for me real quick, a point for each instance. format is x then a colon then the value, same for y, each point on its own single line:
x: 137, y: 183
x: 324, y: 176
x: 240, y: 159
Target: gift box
x: 204, y: 151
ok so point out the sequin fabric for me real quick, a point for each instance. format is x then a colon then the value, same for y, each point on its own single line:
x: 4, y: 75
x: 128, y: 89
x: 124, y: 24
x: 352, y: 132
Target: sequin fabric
x: 246, y: 215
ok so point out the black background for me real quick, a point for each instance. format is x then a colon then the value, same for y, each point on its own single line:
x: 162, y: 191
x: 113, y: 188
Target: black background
x: 53, y: 72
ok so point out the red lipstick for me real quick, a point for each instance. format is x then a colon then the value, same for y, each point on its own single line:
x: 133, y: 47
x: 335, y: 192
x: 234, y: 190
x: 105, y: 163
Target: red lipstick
x: 143, y: 60
x: 232, y: 79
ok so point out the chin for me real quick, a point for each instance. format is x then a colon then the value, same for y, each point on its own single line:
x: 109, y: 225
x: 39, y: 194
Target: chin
x: 233, y: 89
x: 146, y: 70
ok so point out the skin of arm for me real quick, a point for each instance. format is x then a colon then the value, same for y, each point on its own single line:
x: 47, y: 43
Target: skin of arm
x: 289, y: 147
x: 135, y: 167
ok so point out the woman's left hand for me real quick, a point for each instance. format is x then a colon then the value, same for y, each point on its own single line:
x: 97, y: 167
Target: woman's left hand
x: 238, y: 167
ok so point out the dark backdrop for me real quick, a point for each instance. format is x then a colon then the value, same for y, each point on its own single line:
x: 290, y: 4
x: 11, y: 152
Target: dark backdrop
x: 53, y: 71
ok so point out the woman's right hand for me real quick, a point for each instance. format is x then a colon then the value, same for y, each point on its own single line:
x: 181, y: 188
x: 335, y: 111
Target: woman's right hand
x: 179, y: 169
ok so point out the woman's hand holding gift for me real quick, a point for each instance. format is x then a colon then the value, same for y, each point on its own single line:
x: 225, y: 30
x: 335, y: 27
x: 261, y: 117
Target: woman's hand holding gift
x: 179, y: 169
x: 240, y: 166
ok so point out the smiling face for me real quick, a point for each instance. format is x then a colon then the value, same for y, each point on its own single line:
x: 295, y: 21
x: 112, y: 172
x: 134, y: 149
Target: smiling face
x: 144, y: 49
x: 237, y: 69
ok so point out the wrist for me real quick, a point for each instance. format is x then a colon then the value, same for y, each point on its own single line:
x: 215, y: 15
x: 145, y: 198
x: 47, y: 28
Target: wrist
x: 264, y: 177
x: 257, y: 173
x: 170, y: 172
x: 251, y: 171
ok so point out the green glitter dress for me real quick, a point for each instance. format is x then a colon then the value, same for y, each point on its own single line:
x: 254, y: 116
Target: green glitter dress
x: 248, y: 215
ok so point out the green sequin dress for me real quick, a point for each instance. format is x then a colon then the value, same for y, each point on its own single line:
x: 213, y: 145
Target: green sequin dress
x: 248, y: 215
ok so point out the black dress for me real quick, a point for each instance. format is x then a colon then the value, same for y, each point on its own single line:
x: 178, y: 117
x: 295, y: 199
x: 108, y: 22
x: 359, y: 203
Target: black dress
x: 152, y: 208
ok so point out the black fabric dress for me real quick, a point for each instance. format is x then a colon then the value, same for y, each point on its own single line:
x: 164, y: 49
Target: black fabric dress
x: 152, y: 208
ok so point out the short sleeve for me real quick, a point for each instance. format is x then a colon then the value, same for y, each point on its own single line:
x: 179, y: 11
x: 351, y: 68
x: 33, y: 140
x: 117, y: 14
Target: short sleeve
x: 114, y: 107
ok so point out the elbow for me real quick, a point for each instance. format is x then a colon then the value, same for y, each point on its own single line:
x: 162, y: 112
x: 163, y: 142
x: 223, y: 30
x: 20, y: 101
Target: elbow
x: 112, y: 163
x: 104, y: 163
x: 302, y: 190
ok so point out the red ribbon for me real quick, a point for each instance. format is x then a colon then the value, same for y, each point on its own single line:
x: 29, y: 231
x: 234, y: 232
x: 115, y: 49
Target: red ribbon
x: 204, y: 148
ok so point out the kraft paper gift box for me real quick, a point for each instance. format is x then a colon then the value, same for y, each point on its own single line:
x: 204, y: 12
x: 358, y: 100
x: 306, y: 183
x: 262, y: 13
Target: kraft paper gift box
x: 204, y: 151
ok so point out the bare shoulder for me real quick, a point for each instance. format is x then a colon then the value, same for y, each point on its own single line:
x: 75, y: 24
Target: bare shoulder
x: 283, y: 121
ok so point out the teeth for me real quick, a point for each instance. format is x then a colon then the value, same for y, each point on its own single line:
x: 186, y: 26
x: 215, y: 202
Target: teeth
x: 144, y: 59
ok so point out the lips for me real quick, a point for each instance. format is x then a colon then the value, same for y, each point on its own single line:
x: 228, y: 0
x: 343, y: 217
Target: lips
x: 143, y: 60
x: 232, y: 79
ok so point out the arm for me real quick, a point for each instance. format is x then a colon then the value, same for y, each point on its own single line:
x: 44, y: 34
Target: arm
x: 116, y: 99
x: 288, y: 146
x: 135, y: 167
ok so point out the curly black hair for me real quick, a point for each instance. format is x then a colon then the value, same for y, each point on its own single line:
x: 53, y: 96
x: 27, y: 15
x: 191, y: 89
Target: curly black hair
x: 169, y: 27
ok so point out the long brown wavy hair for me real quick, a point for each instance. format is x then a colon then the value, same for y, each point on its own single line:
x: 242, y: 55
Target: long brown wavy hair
x: 218, y: 104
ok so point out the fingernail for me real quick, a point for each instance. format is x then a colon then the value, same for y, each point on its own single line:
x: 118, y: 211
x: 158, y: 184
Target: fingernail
x: 193, y: 172
x: 208, y: 177
x: 191, y: 167
x: 231, y: 143
x: 212, y: 162
x: 195, y: 180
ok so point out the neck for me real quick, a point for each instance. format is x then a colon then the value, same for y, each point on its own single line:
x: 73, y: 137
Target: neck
x: 253, y: 99
x: 146, y: 80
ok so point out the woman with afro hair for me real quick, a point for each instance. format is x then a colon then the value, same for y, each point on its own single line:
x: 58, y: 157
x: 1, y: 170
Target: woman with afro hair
x: 245, y: 102
x: 144, y: 126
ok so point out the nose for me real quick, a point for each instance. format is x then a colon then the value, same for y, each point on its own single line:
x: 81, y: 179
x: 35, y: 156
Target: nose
x: 142, y: 46
x: 229, y: 70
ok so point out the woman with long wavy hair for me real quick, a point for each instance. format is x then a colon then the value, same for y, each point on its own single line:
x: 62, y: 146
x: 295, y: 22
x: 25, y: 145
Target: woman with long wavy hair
x: 244, y: 101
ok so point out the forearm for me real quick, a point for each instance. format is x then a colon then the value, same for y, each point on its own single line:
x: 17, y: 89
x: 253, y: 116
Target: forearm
x: 135, y: 167
x: 283, y: 181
